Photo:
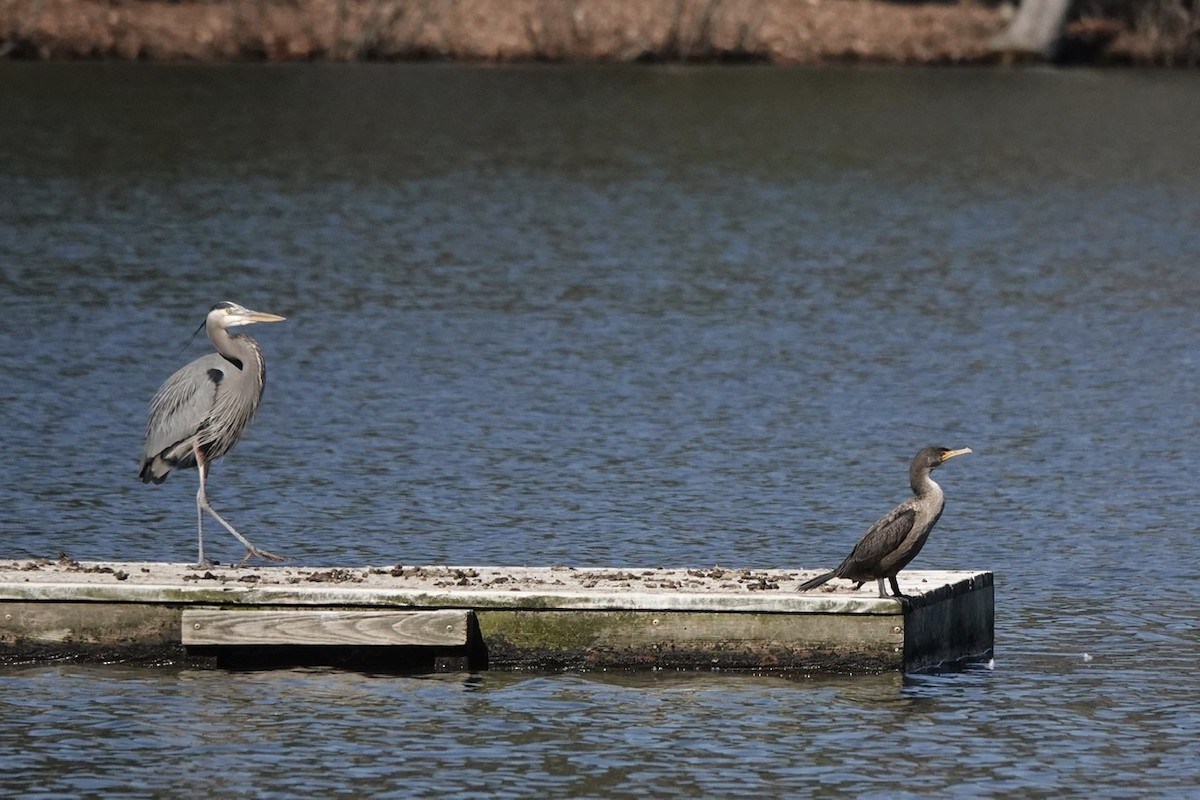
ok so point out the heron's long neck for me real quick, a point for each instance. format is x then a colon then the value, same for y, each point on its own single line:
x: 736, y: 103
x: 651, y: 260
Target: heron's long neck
x: 240, y: 350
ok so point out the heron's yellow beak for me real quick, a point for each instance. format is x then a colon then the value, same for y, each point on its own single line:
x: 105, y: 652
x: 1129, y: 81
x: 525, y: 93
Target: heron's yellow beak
x: 949, y: 454
x: 262, y: 316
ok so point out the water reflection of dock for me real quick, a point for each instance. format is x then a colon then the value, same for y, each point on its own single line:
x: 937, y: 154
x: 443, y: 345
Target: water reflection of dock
x: 451, y: 618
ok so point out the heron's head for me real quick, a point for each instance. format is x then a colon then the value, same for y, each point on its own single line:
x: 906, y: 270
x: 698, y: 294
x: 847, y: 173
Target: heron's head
x: 229, y: 315
x: 934, y: 457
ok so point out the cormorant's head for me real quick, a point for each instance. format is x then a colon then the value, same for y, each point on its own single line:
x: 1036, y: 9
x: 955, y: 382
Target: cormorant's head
x: 934, y: 457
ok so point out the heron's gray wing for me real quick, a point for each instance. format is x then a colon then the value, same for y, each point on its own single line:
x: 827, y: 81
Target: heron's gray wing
x: 883, y: 538
x: 183, y: 403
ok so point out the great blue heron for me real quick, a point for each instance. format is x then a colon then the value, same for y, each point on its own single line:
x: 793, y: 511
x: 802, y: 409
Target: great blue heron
x: 201, y: 411
x: 896, y: 539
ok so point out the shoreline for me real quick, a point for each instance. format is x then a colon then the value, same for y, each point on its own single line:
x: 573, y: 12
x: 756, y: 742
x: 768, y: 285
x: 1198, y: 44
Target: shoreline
x: 779, y: 32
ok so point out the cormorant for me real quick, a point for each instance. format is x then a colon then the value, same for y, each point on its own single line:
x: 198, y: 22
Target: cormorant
x: 896, y: 539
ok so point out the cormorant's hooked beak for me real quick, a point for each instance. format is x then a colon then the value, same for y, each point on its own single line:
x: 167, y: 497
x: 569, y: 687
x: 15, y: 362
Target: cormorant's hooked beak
x: 949, y: 454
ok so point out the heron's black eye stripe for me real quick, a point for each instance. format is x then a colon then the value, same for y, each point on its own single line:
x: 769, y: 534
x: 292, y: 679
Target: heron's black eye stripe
x: 216, y: 376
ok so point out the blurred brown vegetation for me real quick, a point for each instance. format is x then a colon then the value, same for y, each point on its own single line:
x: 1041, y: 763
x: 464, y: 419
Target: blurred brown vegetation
x: 773, y: 31
x: 1160, y: 32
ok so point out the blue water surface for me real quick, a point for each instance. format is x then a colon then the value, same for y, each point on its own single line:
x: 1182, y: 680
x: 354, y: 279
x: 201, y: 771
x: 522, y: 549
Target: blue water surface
x: 619, y: 317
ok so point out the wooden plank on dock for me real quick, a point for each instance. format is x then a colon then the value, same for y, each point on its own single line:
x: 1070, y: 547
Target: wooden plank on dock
x: 684, y: 640
x: 348, y: 628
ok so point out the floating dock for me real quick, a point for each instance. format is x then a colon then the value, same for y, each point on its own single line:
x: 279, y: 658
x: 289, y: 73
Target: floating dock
x: 474, y: 618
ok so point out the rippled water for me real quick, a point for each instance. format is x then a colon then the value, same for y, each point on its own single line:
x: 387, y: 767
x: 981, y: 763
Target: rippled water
x: 640, y: 317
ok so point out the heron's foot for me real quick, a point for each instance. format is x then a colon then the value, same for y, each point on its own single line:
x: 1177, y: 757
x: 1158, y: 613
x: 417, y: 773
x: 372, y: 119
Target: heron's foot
x: 254, y: 552
x: 205, y: 564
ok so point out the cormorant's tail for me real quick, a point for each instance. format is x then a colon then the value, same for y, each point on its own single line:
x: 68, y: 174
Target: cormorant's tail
x: 815, y: 582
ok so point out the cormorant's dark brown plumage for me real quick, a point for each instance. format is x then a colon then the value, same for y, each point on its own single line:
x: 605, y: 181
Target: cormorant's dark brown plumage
x: 896, y: 539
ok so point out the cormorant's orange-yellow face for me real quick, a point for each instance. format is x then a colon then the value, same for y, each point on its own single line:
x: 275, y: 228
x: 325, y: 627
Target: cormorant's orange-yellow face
x: 949, y: 454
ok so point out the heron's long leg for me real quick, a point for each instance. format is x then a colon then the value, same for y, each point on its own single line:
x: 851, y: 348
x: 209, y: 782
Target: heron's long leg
x: 882, y: 590
x: 202, y: 503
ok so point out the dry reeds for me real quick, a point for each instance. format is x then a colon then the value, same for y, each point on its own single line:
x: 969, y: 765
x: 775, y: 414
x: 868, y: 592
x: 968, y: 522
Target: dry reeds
x: 776, y: 31
x: 1165, y: 32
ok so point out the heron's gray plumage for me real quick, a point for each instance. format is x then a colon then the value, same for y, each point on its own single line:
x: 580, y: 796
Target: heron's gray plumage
x: 209, y: 403
x: 895, y: 539
x: 200, y: 412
